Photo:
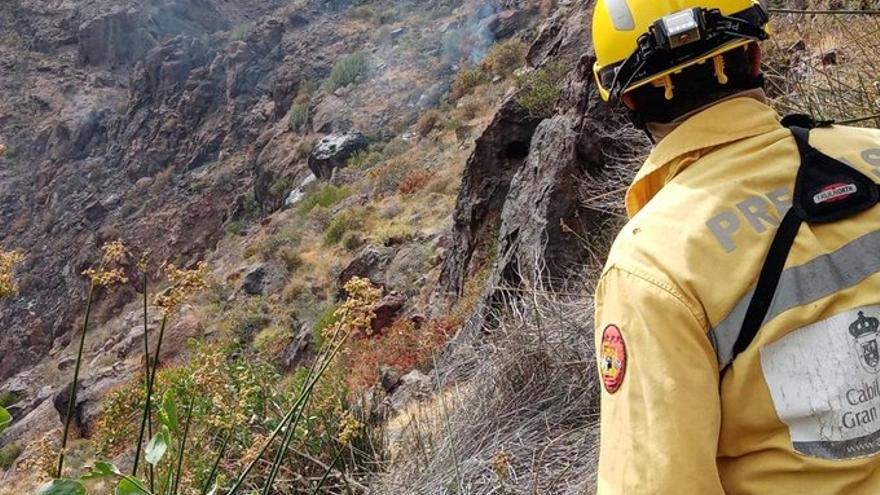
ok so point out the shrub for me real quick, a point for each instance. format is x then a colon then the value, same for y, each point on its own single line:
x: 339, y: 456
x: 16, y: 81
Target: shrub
x: 8, y: 398
x: 393, y: 234
x: 342, y: 223
x: 235, y: 227
x: 326, y: 197
x: 281, y: 186
x: 365, y: 159
x: 352, y: 241
x: 273, y: 340
x: 428, y: 121
x: 539, y: 90
x: 387, y: 179
x: 290, y: 257
x: 239, y: 32
x: 347, y: 70
x: 403, y: 346
x: 299, y: 116
x: 506, y: 57
x: 8, y: 454
x: 465, y: 82
x: 415, y: 181
x: 370, y: 13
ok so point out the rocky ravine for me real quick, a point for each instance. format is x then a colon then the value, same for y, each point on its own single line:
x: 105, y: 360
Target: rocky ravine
x: 160, y: 121
x: 164, y: 123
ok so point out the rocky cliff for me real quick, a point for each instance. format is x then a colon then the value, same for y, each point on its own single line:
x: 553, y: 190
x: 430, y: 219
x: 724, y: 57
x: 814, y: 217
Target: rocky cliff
x: 195, y: 129
x: 158, y: 122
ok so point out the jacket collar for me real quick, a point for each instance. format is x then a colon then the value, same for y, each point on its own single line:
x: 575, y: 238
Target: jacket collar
x: 724, y: 123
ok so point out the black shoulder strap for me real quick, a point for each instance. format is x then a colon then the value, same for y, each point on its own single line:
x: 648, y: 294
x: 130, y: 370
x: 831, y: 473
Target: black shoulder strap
x: 826, y: 190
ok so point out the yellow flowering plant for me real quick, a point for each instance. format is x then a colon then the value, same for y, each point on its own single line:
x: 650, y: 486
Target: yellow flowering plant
x: 8, y: 262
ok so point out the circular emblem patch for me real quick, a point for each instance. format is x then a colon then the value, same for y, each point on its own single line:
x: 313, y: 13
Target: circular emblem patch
x: 613, y: 358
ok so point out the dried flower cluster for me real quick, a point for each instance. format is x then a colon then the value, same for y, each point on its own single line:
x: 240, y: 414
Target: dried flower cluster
x: 212, y: 382
x: 109, y: 272
x: 40, y: 458
x: 501, y: 464
x: 185, y: 283
x: 348, y: 427
x: 357, y: 312
x: 8, y: 260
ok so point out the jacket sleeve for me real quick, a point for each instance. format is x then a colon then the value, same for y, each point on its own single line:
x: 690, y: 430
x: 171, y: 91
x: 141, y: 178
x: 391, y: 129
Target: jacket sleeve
x: 660, y: 428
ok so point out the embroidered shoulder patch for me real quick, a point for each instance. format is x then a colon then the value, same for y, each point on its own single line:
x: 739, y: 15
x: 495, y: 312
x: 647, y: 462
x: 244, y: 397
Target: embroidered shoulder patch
x: 612, y: 360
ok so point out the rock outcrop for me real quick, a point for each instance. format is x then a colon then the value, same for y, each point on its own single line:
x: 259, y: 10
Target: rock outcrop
x: 523, y: 188
x: 161, y: 122
x: 332, y: 152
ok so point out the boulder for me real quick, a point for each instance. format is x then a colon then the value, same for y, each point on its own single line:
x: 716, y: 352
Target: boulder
x: 523, y: 189
x: 301, y: 351
x: 498, y: 153
x: 95, y: 212
x: 389, y: 378
x: 414, y: 385
x: 332, y: 114
x: 506, y: 23
x: 261, y: 279
x: 332, y: 152
x: 84, y: 413
x: 370, y: 263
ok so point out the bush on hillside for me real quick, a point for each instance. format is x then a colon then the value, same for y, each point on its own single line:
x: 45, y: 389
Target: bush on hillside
x: 325, y: 197
x: 299, y: 117
x: 539, y: 89
x: 8, y: 455
x: 239, y: 32
x: 347, y: 70
x: 506, y: 57
x: 466, y: 81
x: 428, y: 121
x: 342, y: 223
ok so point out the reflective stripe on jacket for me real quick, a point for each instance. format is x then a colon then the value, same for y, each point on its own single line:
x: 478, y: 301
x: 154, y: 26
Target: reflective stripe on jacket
x: 799, y: 410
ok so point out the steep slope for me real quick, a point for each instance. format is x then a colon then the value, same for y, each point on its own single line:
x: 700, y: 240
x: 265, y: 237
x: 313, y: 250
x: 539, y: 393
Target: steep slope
x: 186, y: 139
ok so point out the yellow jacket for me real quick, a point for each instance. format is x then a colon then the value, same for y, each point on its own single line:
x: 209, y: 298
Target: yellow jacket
x: 799, y: 411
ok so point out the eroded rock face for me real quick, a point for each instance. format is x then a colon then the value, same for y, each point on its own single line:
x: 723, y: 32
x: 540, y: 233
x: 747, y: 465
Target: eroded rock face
x: 116, y: 38
x: 332, y: 152
x: 499, y: 152
x: 522, y: 189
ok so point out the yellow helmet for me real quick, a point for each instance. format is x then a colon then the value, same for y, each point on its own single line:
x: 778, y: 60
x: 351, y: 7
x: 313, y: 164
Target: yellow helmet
x: 640, y: 42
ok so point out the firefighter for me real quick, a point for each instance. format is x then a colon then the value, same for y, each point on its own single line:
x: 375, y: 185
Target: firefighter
x: 738, y: 315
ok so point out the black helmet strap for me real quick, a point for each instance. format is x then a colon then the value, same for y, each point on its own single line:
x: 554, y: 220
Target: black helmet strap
x: 657, y: 51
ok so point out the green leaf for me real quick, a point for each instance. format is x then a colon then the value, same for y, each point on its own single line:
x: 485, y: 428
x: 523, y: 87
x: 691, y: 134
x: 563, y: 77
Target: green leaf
x: 5, y: 419
x: 130, y: 486
x: 168, y: 414
x: 101, y: 470
x: 158, y: 446
x: 62, y: 487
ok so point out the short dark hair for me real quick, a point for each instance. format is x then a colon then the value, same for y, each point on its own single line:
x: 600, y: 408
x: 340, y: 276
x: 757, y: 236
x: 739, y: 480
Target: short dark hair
x: 696, y: 87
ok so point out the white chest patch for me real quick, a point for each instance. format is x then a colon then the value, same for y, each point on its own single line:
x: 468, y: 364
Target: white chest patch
x: 825, y: 384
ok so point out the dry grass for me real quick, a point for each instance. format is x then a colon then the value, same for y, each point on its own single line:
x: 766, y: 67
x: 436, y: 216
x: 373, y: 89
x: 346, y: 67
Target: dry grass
x: 825, y: 65
x: 521, y: 420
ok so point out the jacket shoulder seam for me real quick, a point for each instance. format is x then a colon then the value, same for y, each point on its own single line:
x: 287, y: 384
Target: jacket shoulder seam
x: 666, y: 286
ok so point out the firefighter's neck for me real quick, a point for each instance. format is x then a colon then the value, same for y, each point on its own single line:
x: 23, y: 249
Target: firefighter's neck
x: 659, y: 131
